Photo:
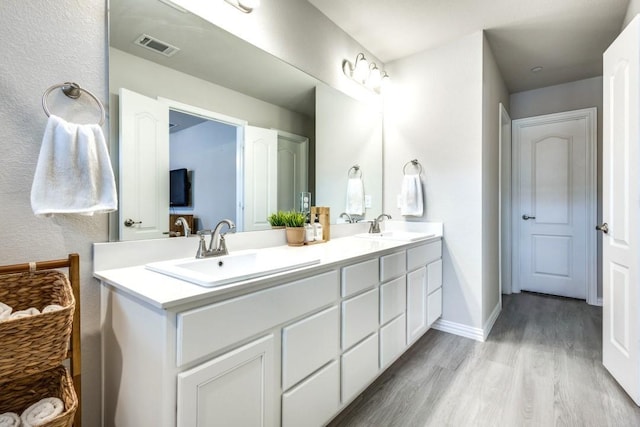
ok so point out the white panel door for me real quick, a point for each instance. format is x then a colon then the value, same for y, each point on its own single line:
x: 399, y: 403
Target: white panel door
x: 144, y: 167
x: 261, y: 175
x: 235, y: 389
x: 620, y: 317
x: 554, y: 202
x: 416, y: 304
x: 292, y: 169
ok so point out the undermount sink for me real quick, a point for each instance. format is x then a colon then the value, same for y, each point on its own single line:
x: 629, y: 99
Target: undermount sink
x: 402, y: 236
x: 221, y: 270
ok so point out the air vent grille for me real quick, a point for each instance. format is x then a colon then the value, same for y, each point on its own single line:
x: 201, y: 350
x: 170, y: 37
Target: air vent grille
x: 156, y: 45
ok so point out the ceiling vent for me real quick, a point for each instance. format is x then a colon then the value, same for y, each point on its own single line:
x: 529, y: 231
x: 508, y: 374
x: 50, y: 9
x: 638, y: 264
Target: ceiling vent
x: 156, y: 45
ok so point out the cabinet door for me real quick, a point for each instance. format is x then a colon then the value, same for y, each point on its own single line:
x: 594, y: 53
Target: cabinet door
x: 416, y: 304
x: 235, y: 389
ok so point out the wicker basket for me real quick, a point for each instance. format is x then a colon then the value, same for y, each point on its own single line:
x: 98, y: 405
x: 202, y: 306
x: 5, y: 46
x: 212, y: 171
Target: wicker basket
x: 37, y: 343
x: 18, y: 395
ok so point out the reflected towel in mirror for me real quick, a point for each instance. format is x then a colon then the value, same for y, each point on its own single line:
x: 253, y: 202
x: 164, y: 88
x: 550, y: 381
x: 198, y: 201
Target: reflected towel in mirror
x: 73, y: 174
x: 355, y: 196
x: 411, y: 194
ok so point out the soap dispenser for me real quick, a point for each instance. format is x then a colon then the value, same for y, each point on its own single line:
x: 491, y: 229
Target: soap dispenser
x: 317, y: 227
x: 309, y: 232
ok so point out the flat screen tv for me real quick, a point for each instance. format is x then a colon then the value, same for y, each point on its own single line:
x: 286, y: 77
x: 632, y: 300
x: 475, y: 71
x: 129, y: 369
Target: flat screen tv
x: 180, y: 187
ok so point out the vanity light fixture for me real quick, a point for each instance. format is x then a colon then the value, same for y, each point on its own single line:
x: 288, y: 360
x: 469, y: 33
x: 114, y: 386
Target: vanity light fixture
x: 245, y: 6
x: 364, y: 73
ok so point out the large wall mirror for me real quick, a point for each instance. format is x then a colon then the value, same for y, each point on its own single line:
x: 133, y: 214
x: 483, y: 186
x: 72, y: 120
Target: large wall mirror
x: 207, y: 126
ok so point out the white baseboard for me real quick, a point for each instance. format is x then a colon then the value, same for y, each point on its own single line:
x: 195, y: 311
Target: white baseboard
x: 488, y: 325
x: 599, y: 302
x: 478, y: 334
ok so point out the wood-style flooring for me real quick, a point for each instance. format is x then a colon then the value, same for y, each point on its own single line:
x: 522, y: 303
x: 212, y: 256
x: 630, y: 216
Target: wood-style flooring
x: 540, y: 366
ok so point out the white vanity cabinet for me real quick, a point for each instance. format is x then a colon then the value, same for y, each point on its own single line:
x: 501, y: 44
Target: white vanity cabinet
x: 291, y: 353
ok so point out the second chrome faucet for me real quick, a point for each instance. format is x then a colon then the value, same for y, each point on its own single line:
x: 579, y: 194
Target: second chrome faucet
x: 217, y: 244
x: 375, y: 224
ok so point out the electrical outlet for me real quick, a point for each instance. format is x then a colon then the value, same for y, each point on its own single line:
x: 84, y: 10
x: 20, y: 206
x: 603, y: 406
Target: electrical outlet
x: 367, y: 200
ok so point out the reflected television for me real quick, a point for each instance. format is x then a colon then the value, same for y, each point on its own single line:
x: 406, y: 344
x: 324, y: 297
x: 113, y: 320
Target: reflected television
x: 180, y: 187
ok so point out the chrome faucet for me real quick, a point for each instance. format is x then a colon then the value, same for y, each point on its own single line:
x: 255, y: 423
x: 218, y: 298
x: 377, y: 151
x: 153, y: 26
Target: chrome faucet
x: 185, y: 227
x: 349, y: 217
x: 375, y: 224
x: 217, y: 244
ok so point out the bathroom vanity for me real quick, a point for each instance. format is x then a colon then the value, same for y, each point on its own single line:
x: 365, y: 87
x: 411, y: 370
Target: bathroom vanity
x: 290, y: 349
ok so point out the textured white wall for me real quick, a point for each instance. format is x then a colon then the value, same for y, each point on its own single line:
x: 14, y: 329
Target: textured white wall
x: 433, y: 112
x: 44, y: 43
x: 494, y: 92
x: 566, y: 97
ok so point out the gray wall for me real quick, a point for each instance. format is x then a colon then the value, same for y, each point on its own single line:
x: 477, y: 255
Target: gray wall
x: 566, y: 97
x: 494, y: 92
x: 632, y: 10
x: 433, y: 113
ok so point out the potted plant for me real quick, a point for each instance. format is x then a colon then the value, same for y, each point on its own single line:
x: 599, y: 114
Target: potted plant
x: 277, y: 219
x: 294, y: 223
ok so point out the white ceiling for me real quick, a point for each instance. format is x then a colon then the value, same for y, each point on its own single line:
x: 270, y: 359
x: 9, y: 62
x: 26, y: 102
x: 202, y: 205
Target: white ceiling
x: 566, y: 37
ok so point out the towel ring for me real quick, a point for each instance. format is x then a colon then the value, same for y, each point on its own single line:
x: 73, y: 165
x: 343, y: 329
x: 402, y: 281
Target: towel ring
x: 356, y: 169
x: 73, y: 91
x: 415, y: 164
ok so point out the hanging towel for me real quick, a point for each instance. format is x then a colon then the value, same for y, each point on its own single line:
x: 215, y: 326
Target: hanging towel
x: 411, y: 195
x: 73, y: 174
x: 355, y: 196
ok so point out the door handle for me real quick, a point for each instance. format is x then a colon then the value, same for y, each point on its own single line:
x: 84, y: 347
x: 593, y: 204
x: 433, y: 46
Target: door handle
x: 604, y: 228
x: 129, y: 222
x: 526, y: 217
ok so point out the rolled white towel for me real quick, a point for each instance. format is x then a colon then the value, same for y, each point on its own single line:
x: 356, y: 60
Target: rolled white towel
x: 31, y: 311
x: 5, y: 312
x: 42, y: 412
x: 52, y: 307
x: 9, y: 419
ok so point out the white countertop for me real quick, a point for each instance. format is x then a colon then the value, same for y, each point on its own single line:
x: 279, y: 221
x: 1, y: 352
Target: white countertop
x: 164, y: 292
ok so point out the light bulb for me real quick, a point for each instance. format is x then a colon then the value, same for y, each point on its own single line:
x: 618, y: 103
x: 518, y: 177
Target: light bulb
x: 374, y: 77
x: 361, y: 68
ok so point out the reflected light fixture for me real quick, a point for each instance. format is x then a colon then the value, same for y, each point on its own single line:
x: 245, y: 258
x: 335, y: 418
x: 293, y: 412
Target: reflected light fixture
x: 365, y: 73
x: 245, y: 6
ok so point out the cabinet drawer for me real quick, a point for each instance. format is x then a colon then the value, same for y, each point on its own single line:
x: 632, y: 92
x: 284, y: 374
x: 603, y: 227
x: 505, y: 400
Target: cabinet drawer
x: 423, y: 255
x: 434, y: 306
x: 359, y: 367
x: 309, y: 344
x: 393, y: 340
x: 359, y: 276
x: 393, y: 299
x: 315, y: 401
x: 392, y: 266
x: 204, y: 330
x: 434, y: 276
x: 359, y: 317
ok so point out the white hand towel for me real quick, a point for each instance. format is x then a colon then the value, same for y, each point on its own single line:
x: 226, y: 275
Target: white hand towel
x: 5, y: 312
x: 73, y: 174
x: 9, y: 419
x: 42, y: 412
x: 411, y: 195
x: 31, y: 311
x: 52, y: 307
x: 355, y: 196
